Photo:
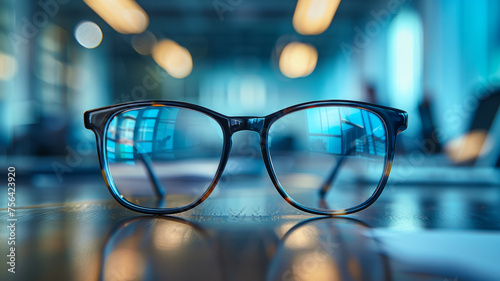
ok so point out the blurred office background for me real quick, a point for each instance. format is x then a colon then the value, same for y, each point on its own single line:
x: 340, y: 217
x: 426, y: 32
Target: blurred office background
x: 438, y: 60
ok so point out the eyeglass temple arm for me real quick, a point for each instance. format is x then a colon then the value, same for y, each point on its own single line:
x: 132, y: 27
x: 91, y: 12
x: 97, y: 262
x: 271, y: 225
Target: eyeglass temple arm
x: 158, y: 187
x: 325, y: 187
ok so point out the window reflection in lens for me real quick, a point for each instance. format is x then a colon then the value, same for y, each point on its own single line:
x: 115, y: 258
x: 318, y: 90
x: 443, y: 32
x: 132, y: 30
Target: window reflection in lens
x: 329, y: 158
x: 163, y: 157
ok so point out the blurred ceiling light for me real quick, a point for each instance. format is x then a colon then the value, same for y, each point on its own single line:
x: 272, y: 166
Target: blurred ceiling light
x: 313, y: 17
x: 144, y: 43
x: 298, y: 60
x: 172, y: 57
x: 8, y: 66
x: 88, y: 34
x: 468, y: 147
x: 124, y: 16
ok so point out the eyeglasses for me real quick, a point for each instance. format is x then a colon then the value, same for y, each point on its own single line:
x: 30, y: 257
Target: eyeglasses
x: 323, y: 157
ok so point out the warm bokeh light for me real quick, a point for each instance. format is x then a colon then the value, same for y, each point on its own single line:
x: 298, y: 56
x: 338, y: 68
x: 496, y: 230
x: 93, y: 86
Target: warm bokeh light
x: 144, y: 43
x: 283, y: 229
x: 8, y: 66
x: 467, y: 147
x: 172, y: 57
x: 302, y: 238
x: 125, y: 16
x: 298, y: 60
x: 316, y: 266
x: 88, y: 34
x: 124, y: 264
x: 301, y: 180
x: 313, y: 17
x: 172, y: 236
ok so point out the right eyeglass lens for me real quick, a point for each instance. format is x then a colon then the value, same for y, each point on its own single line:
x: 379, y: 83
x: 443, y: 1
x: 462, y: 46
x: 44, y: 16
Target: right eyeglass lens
x: 163, y: 157
x: 329, y: 158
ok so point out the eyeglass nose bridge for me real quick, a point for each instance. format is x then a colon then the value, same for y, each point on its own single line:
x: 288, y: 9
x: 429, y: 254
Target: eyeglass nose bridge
x: 246, y: 124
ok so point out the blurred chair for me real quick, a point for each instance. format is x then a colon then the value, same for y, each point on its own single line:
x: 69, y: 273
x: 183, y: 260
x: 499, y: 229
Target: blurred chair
x: 480, y: 145
x: 490, y: 154
x: 428, y: 125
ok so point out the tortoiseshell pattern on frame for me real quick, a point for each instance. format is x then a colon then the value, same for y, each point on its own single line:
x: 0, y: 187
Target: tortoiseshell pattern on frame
x: 97, y: 120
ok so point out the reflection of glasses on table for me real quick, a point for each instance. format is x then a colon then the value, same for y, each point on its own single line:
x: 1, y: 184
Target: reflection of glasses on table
x: 323, y: 157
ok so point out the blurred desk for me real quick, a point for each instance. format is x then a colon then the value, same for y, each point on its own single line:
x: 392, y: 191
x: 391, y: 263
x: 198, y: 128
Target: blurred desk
x: 246, y: 231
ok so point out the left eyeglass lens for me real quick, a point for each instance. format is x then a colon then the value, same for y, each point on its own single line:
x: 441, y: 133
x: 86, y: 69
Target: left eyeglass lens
x: 162, y: 157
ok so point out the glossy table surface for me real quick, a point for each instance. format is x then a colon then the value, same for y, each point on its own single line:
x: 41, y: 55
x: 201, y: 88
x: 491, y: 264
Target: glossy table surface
x: 73, y: 230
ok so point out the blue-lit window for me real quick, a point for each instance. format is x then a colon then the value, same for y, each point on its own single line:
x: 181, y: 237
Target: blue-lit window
x: 343, y: 130
x: 324, y: 130
x: 164, y: 141
x: 354, y: 116
x: 146, y: 129
x: 369, y: 137
x: 150, y: 113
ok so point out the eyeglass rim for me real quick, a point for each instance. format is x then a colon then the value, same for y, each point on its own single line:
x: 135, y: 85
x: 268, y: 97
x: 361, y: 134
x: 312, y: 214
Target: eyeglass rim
x: 97, y: 120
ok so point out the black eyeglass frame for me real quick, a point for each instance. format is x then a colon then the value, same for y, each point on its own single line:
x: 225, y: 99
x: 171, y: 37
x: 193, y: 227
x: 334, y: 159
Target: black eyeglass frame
x: 97, y: 120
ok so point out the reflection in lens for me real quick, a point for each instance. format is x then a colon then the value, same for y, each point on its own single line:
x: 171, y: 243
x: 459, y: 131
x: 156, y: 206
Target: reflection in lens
x: 163, y: 157
x: 329, y: 158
